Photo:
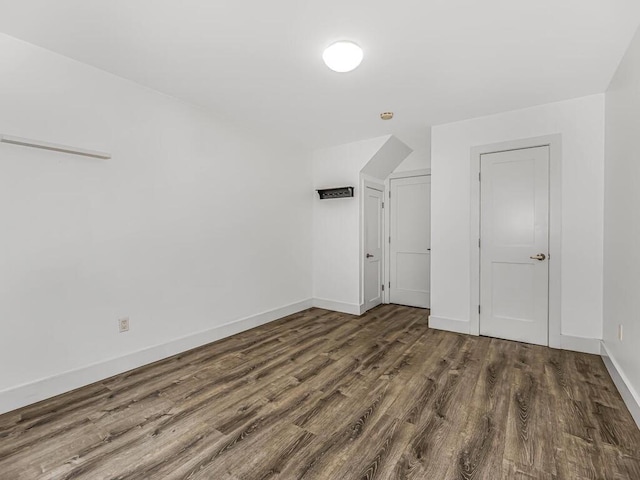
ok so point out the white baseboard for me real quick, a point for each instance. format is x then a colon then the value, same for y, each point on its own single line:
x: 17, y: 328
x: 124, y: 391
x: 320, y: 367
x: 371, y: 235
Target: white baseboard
x: 576, y: 344
x: 449, y: 324
x: 580, y: 344
x: 351, y: 308
x: 33, y: 392
x: 627, y: 392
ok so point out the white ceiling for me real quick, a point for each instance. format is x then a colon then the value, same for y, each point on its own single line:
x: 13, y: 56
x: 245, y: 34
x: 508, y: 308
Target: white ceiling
x: 429, y: 61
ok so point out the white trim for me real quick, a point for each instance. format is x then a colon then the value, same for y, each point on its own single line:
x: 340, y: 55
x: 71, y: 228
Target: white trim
x: 371, y: 179
x: 580, y: 344
x: 387, y: 232
x: 410, y: 173
x: 42, y: 389
x: 387, y: 222
x: 627, y: 392
x: 342, y: 307
x: 554, y: 142
x: 568, y: 342
x: 449, y: 324
x: 55, y: 147
x: 367, y: 181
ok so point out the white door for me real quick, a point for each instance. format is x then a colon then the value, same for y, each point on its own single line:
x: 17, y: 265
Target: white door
x: 373, y: 233
x: 410, y: 243
x: 514, y: 245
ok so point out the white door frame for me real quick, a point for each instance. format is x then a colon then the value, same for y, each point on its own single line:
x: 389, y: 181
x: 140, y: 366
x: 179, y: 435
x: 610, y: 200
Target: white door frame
x: 367, y: 181
x: 387, y: 222
x: 554, y: 142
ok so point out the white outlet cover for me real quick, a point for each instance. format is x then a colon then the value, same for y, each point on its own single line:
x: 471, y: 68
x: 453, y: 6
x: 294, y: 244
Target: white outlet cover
x: 620, y: 332
x: 123, y: 324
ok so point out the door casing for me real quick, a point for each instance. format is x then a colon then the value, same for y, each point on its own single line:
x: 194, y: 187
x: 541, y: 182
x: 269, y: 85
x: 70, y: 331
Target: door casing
x: 370, y: 182
x: 518, y: 308
x: 407, y: 297
x: 554, y: 142
x: 387, y: 220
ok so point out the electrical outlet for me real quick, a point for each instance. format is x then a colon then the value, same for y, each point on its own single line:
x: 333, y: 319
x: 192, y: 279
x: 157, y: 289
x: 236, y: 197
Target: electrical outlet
x: 123, y: 324
x: 620, y: 332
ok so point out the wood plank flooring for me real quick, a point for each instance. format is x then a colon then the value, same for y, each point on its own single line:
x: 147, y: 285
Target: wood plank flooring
x: 323, y: 395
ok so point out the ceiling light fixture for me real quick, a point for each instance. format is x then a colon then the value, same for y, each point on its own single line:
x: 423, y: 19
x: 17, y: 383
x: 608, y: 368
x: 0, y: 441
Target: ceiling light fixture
x: 342, y: 56
x: 386, y: 115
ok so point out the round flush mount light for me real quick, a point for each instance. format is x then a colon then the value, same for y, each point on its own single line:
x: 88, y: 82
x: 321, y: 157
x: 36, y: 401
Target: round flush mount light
x: 342, y: 56
x: 386, y: 115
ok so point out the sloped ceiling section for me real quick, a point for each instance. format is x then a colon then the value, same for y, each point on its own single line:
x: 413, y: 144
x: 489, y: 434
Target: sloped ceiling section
x: 259, y: 63
x: 387, y: 158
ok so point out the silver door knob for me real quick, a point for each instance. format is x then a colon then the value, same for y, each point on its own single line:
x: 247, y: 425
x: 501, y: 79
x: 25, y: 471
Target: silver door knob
x: 369, y: 255
x: 540, y: 256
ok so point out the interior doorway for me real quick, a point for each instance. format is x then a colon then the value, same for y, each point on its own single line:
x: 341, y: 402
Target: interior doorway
x: 480, y: 177
x: 373, y: 245
x: 514, y: 245
x: 410, y: 241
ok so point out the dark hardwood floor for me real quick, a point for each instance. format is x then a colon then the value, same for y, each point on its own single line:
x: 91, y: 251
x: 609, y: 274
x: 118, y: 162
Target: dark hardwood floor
x: 330, y: 396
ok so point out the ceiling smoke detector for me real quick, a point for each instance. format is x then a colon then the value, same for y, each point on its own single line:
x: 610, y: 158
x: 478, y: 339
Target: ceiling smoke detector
x: 386, y: 115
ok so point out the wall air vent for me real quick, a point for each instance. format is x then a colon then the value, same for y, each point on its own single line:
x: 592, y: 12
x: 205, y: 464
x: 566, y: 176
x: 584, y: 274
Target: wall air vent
x: 340, y: 192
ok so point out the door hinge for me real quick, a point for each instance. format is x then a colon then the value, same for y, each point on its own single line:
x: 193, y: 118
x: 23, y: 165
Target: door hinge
x: 478, y: 243
x: 478, y: 308
x: 389, y: 285
x: 389, y: 238
x: 479, y: 176
x: 383, y: 288
x: 389, y: 193
x: 382, y: 204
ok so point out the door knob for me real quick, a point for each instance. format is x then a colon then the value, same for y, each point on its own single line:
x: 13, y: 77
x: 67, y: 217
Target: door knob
x: 540, y: 256
x: 369, y: 255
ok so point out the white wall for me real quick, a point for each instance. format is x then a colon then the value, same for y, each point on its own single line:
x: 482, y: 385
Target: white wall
x: 389, y: 157
x: 622, y: 222
x: 336, y: 224
x: 420, y: 158
x: 192, y: 224
x: 581, y: 124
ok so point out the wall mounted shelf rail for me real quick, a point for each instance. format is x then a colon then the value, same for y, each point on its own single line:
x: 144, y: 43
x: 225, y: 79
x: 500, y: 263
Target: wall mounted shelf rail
x: 340, y: 192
